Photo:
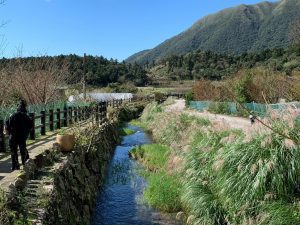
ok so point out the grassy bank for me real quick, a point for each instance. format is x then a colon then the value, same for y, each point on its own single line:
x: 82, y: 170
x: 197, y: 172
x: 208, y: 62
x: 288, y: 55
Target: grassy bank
x: 153, y: 156
x: 163, y: 190
x: 126, y: 131
x: 228, y: 177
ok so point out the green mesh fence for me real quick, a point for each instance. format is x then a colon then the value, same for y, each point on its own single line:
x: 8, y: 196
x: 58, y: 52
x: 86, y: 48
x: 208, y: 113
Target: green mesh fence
x: 257, y: 108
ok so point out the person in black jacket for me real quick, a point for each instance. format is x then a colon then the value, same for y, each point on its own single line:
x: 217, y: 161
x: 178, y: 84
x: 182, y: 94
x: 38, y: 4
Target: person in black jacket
x: 18, y: 127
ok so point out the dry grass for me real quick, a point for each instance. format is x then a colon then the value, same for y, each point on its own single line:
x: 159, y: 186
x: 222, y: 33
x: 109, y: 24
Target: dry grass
x: 229, y: 176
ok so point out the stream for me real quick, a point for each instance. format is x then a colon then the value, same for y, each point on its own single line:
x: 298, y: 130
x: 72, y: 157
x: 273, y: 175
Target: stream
x: 120, y: 202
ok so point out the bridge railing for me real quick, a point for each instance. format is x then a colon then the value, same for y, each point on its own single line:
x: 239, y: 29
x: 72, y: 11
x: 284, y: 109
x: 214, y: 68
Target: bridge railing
x: 54, y: 119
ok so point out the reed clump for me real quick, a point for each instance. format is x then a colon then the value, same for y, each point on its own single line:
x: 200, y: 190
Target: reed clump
x: 232, y: 177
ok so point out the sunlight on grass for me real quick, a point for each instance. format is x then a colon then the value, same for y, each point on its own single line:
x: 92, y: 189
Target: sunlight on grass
x: 153, y: 156
x: 126, y: 131
x: 164, y: 190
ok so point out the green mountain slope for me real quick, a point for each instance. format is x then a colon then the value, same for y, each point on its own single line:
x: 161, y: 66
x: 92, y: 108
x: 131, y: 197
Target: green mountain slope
x: 245, y: 28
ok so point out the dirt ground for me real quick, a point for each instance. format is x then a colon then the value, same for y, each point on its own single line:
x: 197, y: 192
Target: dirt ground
x: 231, y: 122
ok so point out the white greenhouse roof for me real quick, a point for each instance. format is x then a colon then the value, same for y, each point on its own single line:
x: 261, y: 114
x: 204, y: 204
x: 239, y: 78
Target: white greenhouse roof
x: 101, y: 96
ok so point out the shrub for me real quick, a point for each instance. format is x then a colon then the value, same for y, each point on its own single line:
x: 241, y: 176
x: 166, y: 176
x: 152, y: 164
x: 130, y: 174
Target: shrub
x: 189, y: 97
x: 123, y: 88
x: 127, y: 112
x: 159, y: 97
x: 219, y: 108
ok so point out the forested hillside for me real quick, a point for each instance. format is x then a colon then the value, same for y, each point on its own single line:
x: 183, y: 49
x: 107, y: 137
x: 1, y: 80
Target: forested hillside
x: 245, y: 28
x: 99, y: 70
x: 214, y: 66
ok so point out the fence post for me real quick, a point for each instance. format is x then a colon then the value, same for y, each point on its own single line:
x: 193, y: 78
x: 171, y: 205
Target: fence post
x: 113, y: 103
x: 97, y: 113
x: 32, y: 132
x: 65, y: 117
x: 43, y: 123
x: 82, y: 113
x: 75, y: 114
x: 101, y: 112
x: 2, y: 137
x: 51, y: 120
x: 104, y: 111
x: 79, y: 114
x: 58, y: 124
x: 70, y: 115
x: 86, y: 112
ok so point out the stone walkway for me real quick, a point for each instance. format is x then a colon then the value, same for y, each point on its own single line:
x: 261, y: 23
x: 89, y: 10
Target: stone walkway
x: 38, y: 147
x: 6, y: 176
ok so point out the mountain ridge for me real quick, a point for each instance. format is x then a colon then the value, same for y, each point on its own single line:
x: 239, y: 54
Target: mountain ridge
x: 244, y: 28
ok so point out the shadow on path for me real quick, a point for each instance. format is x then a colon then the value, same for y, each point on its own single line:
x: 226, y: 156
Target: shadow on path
x: 5, y: 161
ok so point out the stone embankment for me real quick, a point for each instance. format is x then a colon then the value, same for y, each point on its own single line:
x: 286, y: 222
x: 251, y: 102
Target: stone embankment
x: 62, y: 187
x: 77, y: 180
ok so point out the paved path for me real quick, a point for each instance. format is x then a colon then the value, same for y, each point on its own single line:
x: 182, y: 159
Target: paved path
x: 231, y: 122
x: 6, y: 176
x: 34, y: 149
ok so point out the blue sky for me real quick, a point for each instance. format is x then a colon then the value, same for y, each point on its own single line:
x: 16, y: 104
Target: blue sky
x: 112, y: 28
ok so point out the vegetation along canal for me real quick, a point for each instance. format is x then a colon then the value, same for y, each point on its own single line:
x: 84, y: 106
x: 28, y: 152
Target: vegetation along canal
x: 121, y: 201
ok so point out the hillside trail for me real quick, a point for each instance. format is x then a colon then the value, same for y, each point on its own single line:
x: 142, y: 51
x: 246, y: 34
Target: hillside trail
x: 223, y: 121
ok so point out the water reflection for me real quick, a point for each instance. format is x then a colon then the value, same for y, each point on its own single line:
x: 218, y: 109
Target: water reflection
x: 120, y: 202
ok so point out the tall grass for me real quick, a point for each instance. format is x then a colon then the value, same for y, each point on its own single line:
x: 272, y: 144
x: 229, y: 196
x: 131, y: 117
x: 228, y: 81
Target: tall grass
x: 230, y: 177
x: 153, y: 156
x: 199, y: 193
x: 163, y: 191
x: 278, y: 212
x: 150, y: 112
x: 170, y: 129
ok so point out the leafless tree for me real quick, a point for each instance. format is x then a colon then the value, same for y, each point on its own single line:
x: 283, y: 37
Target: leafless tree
x: 7, y: 93
x: 38, y: 82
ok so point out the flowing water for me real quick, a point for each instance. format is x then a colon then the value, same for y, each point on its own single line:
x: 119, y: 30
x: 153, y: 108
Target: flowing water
x: 120, y: 201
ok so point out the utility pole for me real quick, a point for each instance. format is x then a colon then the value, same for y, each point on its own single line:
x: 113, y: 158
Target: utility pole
x: 84, y: 77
